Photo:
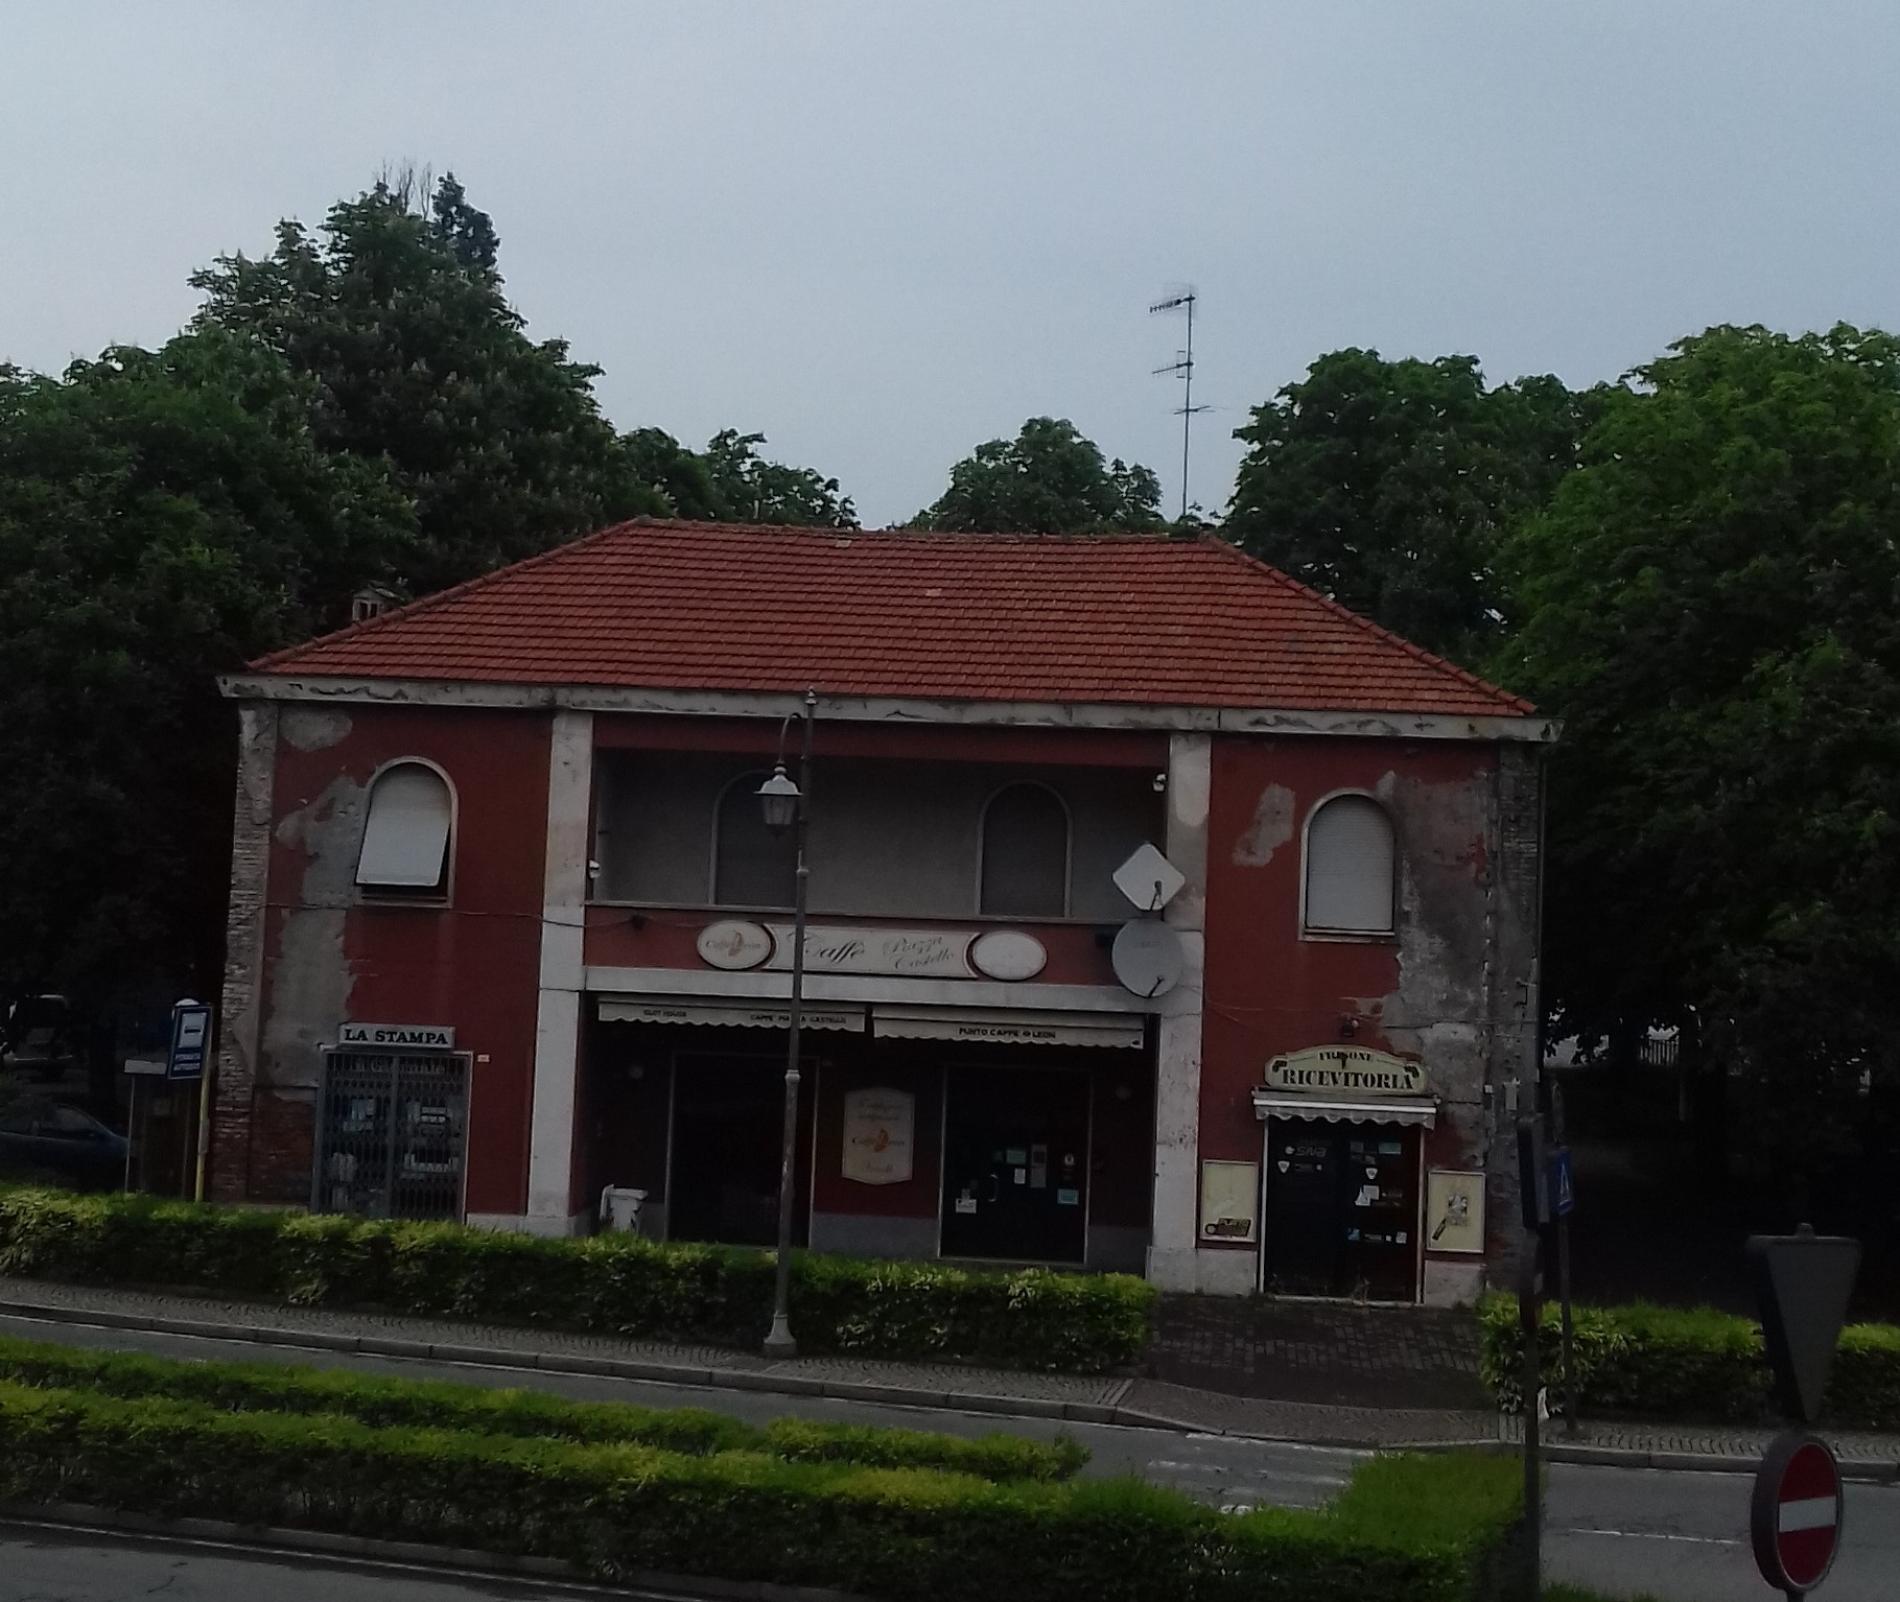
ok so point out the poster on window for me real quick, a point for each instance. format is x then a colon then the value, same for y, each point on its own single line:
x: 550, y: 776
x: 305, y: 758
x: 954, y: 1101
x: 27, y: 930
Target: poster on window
x: 878, y: 1127
x: 1230, y: 1200
x: 1454, y: 1211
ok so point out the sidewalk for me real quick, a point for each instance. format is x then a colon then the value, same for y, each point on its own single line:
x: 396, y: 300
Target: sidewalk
x: 1151, y: 1403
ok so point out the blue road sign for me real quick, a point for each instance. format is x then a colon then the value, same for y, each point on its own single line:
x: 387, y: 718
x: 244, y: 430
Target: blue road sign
x: 1563, y: 1189
x: 191, y: 1040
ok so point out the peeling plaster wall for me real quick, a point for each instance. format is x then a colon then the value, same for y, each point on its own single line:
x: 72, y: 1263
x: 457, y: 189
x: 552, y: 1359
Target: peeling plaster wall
x: 328, y: 957
x: 1448, y: 989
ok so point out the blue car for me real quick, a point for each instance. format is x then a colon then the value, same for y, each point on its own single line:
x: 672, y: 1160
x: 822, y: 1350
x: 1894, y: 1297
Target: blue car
x: 48, y: 1143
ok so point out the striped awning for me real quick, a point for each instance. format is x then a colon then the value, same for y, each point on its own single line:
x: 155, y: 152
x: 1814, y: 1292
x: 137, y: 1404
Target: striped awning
x: 1419, y: 1110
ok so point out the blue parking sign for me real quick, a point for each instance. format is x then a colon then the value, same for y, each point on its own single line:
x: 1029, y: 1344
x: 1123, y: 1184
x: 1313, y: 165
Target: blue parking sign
x: 191, y: 1040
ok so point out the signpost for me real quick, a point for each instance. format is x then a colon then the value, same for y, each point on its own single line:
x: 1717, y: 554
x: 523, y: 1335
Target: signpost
x: 1804, y: 1281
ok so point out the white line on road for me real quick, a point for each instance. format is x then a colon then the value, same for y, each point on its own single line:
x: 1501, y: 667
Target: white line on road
x: 1652, y: 1535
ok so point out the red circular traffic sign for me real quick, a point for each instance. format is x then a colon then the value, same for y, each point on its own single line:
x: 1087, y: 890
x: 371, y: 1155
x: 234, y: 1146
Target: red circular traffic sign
x: 1797, y: 1513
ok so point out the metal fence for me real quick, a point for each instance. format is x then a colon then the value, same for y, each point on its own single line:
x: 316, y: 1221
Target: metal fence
x: 392, y: 1131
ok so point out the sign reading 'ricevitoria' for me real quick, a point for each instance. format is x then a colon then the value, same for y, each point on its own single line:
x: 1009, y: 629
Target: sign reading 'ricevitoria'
x: 1353, y: 1070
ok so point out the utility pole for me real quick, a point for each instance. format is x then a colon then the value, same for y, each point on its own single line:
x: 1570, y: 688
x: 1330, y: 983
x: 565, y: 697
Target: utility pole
x: 1183, y: 365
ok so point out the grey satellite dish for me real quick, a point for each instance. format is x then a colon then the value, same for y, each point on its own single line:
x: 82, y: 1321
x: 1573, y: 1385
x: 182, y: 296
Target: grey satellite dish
x: 1147, y: 956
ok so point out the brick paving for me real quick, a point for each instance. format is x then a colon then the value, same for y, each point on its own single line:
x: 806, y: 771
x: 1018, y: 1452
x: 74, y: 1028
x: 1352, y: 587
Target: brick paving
x: 1331, y: 1353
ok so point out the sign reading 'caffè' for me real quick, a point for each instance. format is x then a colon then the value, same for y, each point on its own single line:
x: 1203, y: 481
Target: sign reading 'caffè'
x: 1350, y: 1070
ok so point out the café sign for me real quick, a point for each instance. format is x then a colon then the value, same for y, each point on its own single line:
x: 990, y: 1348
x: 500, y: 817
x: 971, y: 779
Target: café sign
x: 1345, y: 1070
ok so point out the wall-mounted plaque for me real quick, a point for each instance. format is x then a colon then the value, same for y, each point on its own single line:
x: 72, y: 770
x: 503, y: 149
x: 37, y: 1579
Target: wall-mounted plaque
x: 879, y: 1128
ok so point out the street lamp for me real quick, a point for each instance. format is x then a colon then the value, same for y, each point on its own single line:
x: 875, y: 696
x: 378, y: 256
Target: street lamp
x: 784, y: 805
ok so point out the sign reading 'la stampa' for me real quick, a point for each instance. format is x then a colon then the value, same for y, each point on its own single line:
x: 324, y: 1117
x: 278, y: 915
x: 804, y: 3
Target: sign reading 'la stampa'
x: 1355, y: 1070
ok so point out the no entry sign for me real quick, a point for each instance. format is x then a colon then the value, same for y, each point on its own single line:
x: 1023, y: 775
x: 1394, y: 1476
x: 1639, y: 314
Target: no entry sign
x: 1796, y: 1521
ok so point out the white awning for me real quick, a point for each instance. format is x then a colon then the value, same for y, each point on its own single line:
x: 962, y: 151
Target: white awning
x: 737, y: 1014
x: 1009, y: 1027
x: 1420, y: 1110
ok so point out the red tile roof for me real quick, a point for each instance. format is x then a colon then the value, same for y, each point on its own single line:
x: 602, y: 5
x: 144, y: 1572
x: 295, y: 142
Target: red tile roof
x: 1142, y: 618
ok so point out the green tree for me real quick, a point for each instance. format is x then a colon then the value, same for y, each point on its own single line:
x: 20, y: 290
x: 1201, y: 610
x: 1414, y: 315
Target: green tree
x: 1387, y: 485
x: 1048, y: 480
x: 1710, y: 603
x: 164, y: 515
x: 395, y: 311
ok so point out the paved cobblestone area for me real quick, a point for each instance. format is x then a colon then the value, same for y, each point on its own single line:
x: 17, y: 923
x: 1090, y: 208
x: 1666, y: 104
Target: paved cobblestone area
x: 452, y: 1339
x: 1700, y: 1440
x: 1322, y: 1352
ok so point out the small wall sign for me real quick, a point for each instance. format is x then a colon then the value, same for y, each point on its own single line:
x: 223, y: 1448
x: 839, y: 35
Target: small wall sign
x: 1454, y: 1211
x: 1346, y: 1070
x: 879, y: 1130
x: 427, y: 1036
x: 1230, y: 1201
x: 734, y: 945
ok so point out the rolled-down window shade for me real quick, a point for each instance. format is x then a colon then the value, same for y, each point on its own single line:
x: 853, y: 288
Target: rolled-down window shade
x: 1025, y: 854
x: 1350, y: 864
x: 406, y: 841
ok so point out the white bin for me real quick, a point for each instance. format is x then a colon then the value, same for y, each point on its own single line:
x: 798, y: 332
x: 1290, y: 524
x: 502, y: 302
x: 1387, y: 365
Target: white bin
x: 620, y: 1208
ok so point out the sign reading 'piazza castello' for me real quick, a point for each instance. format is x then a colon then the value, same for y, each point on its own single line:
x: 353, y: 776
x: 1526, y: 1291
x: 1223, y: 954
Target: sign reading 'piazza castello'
x: 1350, y: 1070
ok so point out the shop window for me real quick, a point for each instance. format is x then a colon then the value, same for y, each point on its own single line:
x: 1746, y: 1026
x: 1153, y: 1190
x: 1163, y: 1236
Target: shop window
x: 406, y: 839
x: 1025, y: 854
x: 752, y: 867
x: 1350, y: 868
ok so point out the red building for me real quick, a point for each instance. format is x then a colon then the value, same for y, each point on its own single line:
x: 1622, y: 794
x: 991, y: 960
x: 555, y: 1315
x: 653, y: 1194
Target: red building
x: 507, y: 927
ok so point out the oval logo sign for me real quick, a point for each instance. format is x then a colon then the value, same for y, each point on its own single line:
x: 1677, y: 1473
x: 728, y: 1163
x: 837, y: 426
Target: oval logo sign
x: 1007, y: 954
x: 734, y: 945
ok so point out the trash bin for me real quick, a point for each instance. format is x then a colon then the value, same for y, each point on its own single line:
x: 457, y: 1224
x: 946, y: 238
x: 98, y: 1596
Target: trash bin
x: 620, y: 1208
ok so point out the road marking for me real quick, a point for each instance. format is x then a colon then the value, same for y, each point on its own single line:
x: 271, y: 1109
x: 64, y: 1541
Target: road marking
x: 1653, y: 1535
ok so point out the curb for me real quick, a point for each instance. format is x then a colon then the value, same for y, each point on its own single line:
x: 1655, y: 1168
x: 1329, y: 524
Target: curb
x: 441, y: 1561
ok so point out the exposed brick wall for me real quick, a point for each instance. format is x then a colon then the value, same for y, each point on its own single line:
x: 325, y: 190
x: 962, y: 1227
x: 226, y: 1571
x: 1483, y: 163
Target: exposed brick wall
x: 234, y: 1091
x: 282, y: 1146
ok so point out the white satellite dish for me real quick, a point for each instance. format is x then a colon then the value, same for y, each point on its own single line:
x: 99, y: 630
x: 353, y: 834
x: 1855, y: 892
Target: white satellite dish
x: 1147, y: 956
x: 1148, y: 879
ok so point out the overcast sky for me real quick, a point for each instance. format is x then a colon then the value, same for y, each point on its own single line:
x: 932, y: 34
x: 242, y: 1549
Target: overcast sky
x: 882, y: 232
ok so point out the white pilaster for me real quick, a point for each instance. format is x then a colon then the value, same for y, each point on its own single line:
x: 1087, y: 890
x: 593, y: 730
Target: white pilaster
x: 558, y: 1017
x: 1171, y: 1256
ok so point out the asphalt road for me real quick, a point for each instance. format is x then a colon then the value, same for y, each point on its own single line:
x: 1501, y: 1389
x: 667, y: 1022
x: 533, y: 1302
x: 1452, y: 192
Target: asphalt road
x: 1625, y: 1532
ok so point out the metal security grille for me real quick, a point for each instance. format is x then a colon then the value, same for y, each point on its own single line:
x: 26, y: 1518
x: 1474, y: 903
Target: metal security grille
x: 391, y: 1134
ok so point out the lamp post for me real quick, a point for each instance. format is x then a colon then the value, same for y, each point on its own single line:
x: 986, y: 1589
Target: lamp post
x: 785, y: 807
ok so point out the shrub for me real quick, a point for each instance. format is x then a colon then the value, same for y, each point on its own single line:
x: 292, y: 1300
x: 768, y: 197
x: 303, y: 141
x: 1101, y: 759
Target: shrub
x: 383, y: 1402
x: 1690, y: 1363
x: 618, y: 1511
x: 610, y: 1284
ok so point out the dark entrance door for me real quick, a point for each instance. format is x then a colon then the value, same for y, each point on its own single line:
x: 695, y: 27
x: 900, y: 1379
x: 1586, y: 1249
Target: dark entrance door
x: 1015, y: 1172
x: 1342, y: 1210
x: 728, y: 1134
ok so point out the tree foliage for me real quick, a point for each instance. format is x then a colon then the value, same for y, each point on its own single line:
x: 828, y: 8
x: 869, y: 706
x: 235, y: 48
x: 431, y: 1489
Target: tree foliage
x: 1048, y: 480
x: 394, y: 310
x: 1387, y: 485
x: 163, y: 516
x: 730, y: 482
x: 1710, y: 603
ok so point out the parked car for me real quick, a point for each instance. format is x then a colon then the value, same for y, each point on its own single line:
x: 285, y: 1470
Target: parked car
x: 50, y: 1143
x: 36, y: 1036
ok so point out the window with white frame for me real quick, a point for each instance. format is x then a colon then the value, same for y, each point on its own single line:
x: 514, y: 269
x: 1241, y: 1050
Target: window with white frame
x: 752, y: 866
x: 406, y: 839
x: 1351, y: 865
x: 1025, y: 854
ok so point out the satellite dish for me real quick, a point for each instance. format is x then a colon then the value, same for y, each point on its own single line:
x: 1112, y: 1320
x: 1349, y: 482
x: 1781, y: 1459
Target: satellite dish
x: 1147, y: 956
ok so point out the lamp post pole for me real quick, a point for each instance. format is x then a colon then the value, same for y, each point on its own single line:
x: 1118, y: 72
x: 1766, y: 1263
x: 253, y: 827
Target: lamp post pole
x: 779, y: 1342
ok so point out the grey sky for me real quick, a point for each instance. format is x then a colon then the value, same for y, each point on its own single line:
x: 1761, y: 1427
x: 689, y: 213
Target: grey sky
x: 882, y: 232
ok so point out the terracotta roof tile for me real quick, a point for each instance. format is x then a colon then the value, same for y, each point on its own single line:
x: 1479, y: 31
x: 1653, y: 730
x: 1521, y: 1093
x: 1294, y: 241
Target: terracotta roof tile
x: 1140, y: 618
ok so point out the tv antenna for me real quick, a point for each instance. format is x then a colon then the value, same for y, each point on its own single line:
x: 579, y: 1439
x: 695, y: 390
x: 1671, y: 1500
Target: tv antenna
x: 1183, y: 364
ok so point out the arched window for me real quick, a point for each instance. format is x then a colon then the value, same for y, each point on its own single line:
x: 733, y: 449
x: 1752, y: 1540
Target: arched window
x: 1025, y: 854
x: 1350, y: 868
x: 406, y: 837
x: 752, y: 867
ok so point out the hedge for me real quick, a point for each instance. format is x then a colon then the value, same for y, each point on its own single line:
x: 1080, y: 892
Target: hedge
x: 608, y: 1284
x: 1426, y: 1529
x: 1646, y: 1361
x: 381, y: 1402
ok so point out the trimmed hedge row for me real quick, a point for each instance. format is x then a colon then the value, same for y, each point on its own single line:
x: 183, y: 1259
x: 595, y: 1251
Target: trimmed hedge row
x: 1646, y: 1361
x: 609, y: 1284
x: 383, y: 1402
x: 1428, y: 1530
